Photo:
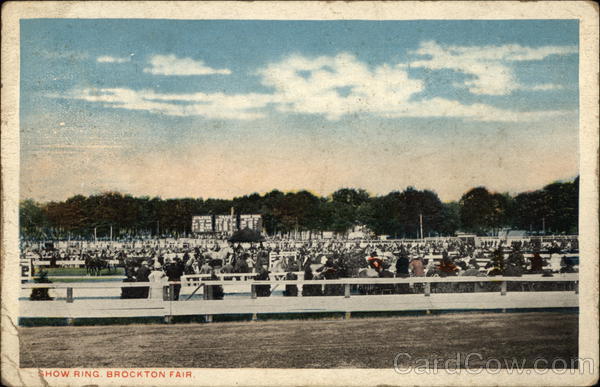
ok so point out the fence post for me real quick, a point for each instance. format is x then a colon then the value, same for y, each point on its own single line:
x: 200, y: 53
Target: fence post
x: 208, y: 295
x: 503, y: 288
x: 205, y: 292
x: 253, y: 290
x: 171, y: 292
x: 347, y: 291
x: 70, y: 295
x: 168, y: 296
x: 427, y: 289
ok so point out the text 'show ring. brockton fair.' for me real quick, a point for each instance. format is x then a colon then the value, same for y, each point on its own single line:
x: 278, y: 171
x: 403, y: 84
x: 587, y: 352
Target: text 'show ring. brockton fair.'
x: 286, y: 193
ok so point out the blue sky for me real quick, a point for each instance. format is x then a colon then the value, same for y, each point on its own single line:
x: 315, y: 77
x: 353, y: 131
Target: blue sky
x: 224, y: 108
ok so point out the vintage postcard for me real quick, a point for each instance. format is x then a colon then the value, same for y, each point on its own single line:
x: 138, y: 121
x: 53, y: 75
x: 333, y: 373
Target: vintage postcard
x: 299, y: 193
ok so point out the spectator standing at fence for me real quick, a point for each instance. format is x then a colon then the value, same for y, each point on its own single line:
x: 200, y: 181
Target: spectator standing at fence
x: 310, y: 290
x: 537, y: 263
x: 330, y: 272
x: 472, y: 271
x: 174, y: 271
x: 496, y: 264
x: 374, y: 261
x: 416, y: 266
x: 402, y: 265
x: 262, y: 275
x: 205, y: 268
x: 53, y: 259
x: 262, y: 257
x: 291, y: 290
x: 566, y: 265
x: 158, y: 280
x: 555, y: 262
x: 447, y: 268
x: 129, y: 292
x: 241, y: 263
x: 142, y: 275
x: 216, y: 290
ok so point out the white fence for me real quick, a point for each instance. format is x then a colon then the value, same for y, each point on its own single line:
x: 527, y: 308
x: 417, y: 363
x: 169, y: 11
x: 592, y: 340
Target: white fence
x: 72, y: 307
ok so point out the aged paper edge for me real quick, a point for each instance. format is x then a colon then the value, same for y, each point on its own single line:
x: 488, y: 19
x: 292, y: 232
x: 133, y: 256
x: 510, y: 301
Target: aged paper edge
x: 585, y: 12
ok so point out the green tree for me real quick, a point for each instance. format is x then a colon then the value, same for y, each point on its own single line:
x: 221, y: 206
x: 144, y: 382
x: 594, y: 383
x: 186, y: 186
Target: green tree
x: 32, y: 219
x: 350, y: 196
x: 483, y: 212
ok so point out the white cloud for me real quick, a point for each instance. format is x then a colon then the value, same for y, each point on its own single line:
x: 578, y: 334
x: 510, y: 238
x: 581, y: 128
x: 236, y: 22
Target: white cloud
x: 336, y: 86
x: 444, y: 108
x: 313, y: 86
x: 544, y: 87
x: 491, y: 67
x: 112, y: 59
x: 215, y: 105
x: 172, y: 65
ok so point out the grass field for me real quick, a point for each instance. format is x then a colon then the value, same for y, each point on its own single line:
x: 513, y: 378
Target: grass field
x: 355, y: 343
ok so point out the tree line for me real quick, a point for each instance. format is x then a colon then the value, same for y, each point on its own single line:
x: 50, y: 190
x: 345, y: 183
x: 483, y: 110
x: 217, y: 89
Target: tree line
x: 402, y: 214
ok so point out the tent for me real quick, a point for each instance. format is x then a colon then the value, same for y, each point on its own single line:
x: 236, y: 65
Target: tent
x: 246, y: 235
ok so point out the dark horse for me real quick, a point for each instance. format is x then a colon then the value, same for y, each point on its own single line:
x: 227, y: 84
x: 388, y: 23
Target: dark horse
x: 95, y: 264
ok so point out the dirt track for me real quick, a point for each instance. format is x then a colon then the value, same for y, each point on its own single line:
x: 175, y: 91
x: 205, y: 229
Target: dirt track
x: 356, y: 343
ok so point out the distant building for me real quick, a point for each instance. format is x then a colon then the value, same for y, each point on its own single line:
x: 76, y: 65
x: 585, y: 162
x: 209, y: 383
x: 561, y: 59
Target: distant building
x: 202, y: 224
x: 253, y: 222
x: 226, y: 224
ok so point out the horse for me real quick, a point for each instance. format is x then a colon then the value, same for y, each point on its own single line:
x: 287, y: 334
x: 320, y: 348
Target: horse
x: 88, y: 262
x: 94, y: 265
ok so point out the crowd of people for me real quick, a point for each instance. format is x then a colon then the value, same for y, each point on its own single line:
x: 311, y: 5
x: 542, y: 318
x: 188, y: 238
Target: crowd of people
x: 329, y: 259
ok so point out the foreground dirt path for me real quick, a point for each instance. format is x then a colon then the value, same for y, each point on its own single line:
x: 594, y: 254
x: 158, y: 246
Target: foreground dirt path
x: 357, y: 343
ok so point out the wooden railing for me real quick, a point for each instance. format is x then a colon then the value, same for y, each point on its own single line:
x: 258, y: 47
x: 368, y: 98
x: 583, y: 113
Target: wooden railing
x: 72, y: 307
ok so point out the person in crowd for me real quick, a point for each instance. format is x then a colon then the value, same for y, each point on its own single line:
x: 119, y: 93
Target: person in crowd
x: 416, y: 266
x: 216, y: 291
x: 472, y: 269
x: 141, y: 275
x: 496, y: 263
x: 227, y: 268
x: 129, y: 292
x: 158, y: 280
x: 262, y: 275
x: 537, y: 263
x: 567, y: 265
x: 206, y: 268
x: 555, y: 262
x: 374, y: 261
x: 262, y: 257
x: 329, y: 272
x: 402, y: 265
x: 241, y: 263
x: 41, y: 294
x: 54, y: 258
x: 310, y: 290
x: 174, y: 271
x: 290, y: 290
x: 446, y: 267
x: 515, y: 264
